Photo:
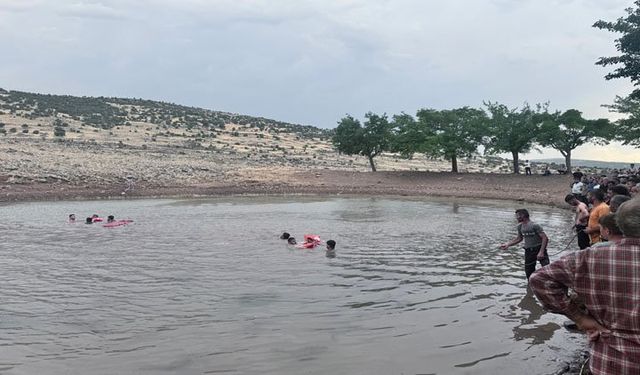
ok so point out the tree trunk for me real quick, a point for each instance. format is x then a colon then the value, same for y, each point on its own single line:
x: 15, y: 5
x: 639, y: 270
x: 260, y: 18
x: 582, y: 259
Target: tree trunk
x: 373, y: 165
x: 454, y: 164
x: 567, y: 161
x: 516, y: 166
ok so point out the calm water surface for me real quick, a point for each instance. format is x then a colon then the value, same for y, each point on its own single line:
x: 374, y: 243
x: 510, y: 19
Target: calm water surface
x: 206, y: 287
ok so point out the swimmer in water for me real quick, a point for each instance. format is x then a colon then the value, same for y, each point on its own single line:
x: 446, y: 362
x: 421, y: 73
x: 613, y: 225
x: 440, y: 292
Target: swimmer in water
x: 72, y: 218
x: 331, y: 249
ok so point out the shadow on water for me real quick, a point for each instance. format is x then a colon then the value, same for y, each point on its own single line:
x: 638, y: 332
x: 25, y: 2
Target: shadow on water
x: 528, y: 329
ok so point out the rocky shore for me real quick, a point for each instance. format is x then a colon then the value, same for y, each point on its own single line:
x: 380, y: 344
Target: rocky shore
x: 46, y: 170
x: 536, y: 189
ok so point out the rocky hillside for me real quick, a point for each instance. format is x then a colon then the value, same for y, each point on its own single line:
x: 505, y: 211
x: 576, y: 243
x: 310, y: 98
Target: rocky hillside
x: 48, y: 138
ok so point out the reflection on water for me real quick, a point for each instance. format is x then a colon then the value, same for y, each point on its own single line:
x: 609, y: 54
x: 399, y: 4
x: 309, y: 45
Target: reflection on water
x: 206, y: 286
x: 529, y: 329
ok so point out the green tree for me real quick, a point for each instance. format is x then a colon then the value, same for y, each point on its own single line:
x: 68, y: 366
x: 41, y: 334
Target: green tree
x: 567, y: 131
x: 511, y: 130
x: 59, y: 131
x: 628, y: 66
x: 368, y: 139
x: 628, y: 61
x: 627, y: 130
x: 450, y: 134
x: 409, y: 136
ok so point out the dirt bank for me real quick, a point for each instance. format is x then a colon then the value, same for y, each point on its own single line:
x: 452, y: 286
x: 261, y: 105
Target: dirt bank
x: 548, y: 190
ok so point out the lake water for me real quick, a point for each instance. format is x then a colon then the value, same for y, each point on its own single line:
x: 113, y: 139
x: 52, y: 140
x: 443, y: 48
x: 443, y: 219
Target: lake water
x: 206, y: 287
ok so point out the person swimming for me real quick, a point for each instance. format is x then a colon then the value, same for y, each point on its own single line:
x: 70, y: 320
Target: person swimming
x: 331, y: 249
x: 291, y: 241
x: 285, y: 236
x: 72, y: 218
x: 111, y: 219
x: 89, y: 220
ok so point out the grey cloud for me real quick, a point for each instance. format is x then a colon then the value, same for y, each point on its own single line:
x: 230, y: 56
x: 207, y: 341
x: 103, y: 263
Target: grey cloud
x: 91, y: 9
x: 19, y: 5
x: 311, y: 61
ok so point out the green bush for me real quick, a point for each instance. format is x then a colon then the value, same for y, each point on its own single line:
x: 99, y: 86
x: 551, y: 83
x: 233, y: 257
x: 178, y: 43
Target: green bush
x: 59, y: 131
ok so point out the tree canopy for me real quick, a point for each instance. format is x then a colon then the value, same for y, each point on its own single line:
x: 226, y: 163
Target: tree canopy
x: 511, y: 130
x: 450, y: 134
x: 368, y: 139
x: 567, y: 131
x: 628, y: 66
x: 629, y: 59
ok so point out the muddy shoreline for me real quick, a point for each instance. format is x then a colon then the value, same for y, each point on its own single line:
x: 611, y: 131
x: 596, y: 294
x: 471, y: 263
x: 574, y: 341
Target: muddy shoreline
x: 546, y: 190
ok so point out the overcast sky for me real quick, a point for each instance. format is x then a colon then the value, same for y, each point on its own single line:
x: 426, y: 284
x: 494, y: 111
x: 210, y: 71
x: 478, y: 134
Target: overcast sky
x: 312, y: 62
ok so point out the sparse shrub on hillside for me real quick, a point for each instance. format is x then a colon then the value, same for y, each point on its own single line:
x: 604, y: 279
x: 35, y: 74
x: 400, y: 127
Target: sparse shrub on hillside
x: 13, y: 130
x: 59, y: 131
x: 192, y: 144
x: 106, y: 113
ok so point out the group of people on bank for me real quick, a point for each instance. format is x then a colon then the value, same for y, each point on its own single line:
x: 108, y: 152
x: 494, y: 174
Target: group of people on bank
x: 598, y: 286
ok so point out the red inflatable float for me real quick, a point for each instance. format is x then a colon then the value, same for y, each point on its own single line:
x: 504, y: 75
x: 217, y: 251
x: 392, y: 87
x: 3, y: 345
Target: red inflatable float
x: 117, y: 223
x: 310, y: 241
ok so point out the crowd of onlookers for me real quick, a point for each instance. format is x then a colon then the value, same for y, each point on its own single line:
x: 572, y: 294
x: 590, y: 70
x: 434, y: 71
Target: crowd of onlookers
x: 625, y: 182
x: 599, y: 287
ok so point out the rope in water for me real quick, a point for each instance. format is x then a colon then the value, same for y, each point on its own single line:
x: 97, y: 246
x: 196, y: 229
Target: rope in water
x: 559, y: 252
x: 584, y: 367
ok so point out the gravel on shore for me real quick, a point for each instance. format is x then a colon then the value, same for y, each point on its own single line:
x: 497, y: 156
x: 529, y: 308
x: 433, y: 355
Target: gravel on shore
x: 547, y: 190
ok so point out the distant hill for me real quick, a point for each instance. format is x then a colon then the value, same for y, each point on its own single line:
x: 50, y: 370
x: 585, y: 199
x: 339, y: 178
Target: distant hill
x: 108, y: 113
x: 44, y: 135
x: 585, y: 163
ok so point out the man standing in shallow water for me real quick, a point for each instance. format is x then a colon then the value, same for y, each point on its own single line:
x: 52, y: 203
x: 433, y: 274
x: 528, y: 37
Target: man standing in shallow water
x: 535, y: 242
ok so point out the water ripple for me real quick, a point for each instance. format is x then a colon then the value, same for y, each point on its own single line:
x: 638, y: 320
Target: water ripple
x: 205, y: 286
